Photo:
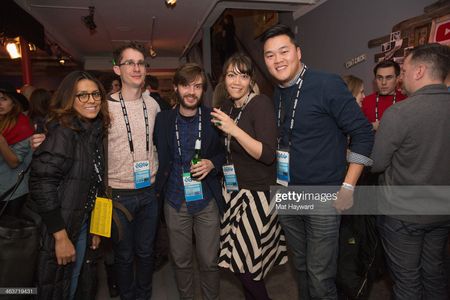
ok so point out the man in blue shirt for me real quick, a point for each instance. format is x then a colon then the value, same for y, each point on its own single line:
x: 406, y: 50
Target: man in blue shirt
x: 191, y: 192
x: 316, y: 115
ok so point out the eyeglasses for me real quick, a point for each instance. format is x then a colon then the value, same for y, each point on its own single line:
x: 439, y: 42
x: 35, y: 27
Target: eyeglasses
x: 131, y: 64
x: 84, y: 97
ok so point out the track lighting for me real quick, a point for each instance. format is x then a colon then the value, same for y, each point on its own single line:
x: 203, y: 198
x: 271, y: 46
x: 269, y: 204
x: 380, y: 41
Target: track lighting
x: 89, y: 20
x: 171, y: 3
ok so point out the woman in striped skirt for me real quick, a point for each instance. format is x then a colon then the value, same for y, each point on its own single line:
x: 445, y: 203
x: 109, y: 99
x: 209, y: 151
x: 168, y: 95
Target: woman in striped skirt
x: 251, y: 240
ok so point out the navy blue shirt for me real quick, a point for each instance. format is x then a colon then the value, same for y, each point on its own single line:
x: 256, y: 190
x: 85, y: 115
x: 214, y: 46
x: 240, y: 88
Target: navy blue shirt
x: 326, y: 114
x: 188, y: 130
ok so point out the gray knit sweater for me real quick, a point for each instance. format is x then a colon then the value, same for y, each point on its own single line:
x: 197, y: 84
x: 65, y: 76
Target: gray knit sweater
x: 412, y: 148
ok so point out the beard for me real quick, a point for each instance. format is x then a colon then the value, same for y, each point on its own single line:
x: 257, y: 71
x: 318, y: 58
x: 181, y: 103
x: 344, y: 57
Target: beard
x: 185, y: 104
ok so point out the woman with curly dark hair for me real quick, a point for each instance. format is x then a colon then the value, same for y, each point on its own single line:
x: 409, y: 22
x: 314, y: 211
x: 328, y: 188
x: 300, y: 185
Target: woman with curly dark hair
x: 67, y: 174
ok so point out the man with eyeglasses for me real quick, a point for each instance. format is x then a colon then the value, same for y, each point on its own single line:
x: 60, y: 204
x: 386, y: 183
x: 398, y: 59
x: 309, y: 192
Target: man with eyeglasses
x: 386, y: 78
x: 131, y: 173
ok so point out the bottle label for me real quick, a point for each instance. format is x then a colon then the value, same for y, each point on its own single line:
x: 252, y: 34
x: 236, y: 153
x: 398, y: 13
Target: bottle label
x: 230, y: 178
x: 192, y: 189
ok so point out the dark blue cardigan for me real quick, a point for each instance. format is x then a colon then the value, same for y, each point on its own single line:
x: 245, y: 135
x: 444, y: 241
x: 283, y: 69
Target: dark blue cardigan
x: 212, y: 149
x: 326, y: 115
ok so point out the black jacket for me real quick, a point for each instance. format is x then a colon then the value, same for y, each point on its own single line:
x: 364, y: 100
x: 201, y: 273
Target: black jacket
x: 60, y: 179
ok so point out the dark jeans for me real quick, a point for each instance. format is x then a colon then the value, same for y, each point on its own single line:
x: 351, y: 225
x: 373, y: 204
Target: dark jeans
x: 136, y: 244
x: 415, y: 254
x: 313, y: 241
x: 14, y: 207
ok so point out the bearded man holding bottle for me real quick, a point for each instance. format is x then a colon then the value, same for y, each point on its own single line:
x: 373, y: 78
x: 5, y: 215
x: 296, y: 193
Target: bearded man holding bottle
x: 191, y: 154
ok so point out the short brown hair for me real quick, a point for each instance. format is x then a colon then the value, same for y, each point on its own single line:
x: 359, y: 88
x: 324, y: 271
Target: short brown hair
x: 187, y: 73
x: 118, y: 53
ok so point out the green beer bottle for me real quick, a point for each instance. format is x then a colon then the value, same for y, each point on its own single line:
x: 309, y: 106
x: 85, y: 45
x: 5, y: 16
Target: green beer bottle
x: 197, y: 157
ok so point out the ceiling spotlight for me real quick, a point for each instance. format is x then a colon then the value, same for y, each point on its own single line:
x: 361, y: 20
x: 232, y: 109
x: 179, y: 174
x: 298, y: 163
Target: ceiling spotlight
x: 32, y: 47
x: 152, y: 52
x: 13, y: 48
x: 61, y: 61
x: 89, y: 20
x: 171, y: 3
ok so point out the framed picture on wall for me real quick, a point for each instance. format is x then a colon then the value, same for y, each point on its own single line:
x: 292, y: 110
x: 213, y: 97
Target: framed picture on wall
x: 421, y: 35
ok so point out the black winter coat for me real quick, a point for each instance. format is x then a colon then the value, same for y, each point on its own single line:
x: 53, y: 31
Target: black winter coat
x: 60, y: 179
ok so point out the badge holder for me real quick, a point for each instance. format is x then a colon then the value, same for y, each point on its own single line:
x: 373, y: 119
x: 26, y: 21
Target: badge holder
x: 192, y: 188
x: 283, y: 177
x: 141, y: 171
x: 231, y: 183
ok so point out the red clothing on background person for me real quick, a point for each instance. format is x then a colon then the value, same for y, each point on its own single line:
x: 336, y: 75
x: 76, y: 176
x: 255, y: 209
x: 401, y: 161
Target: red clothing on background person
x: 20, y: 131
x: 385, y: 101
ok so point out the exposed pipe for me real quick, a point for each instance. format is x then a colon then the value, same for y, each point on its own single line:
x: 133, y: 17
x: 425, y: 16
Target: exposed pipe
x: 59, y: 6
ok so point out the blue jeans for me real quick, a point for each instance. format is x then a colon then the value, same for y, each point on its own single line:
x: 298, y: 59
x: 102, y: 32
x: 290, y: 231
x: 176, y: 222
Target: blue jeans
x: 136, y: 244
x: 80, y: 250
x: 415, y: 254
x: 313, y: 241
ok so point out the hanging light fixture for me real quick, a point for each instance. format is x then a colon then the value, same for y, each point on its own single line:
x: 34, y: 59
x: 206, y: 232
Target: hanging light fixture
x: 152, y: 51
x: 13, y: 50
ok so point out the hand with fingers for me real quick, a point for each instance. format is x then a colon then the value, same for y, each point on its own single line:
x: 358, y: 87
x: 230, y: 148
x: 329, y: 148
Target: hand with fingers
x: 36, y: 140
x: 64, y: 249
x: 201, y: 169
x: 222, y: 121
x: 344, y: 200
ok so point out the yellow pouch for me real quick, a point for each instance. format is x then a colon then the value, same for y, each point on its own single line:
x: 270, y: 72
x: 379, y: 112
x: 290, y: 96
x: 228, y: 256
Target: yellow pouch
x: 101, y: 217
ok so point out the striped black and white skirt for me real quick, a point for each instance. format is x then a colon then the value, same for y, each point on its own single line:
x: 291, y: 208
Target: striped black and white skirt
x: 251, y: 239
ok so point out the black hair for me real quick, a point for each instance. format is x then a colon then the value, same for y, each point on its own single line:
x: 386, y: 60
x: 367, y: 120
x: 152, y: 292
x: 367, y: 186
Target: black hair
x: 434, y: 54
x: 276, y: 30
x: 387, y: 64
x: 151, y: 81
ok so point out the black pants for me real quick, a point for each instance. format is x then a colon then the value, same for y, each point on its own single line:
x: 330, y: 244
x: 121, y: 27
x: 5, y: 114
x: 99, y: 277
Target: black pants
x: 14, y: 207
